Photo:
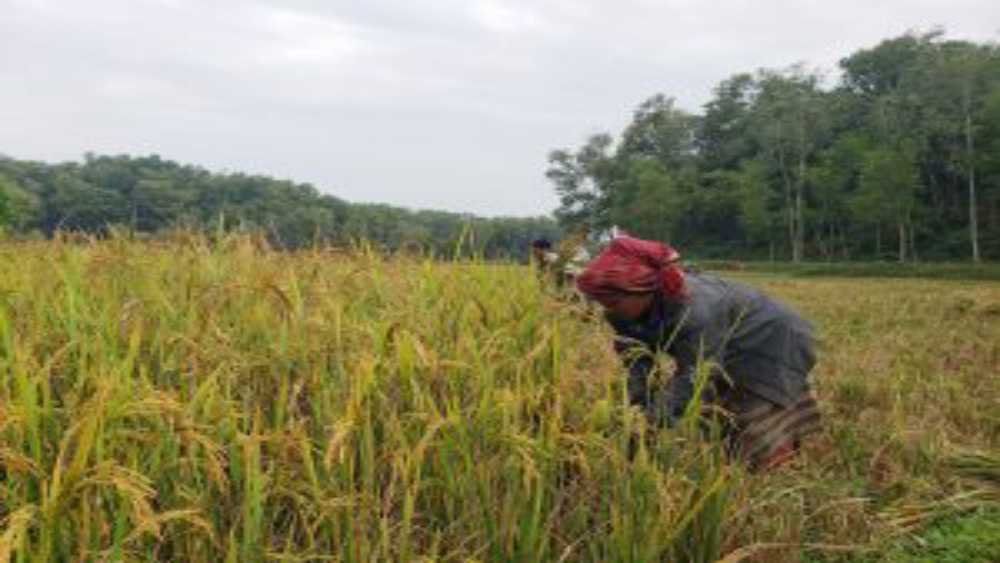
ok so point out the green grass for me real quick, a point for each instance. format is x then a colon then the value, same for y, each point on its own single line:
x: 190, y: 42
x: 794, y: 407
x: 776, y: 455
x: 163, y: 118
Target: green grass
x: 911, y: 270
x: 189, y: 400
x: 965, y: 538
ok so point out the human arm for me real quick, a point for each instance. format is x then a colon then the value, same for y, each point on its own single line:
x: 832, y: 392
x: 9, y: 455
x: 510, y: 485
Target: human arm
x: 698, y: 342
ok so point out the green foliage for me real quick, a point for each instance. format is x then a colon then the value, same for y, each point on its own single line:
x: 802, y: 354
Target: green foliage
x: 646, y: 201
x: 582, y: 182
x: 869, y: 269
x: 888, y: 181
x: 966, y: 538
x: 5, y: 204
x: 660, y: 132
x: 758, y: 210
x: 886, y: 67
x: 149, y: 195
x: 778, y: 165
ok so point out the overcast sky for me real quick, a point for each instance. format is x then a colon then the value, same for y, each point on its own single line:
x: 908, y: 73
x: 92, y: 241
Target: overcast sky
x: 444, y: 104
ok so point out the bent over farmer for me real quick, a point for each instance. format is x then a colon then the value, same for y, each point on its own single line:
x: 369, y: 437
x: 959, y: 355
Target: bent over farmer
x: 760, y: 350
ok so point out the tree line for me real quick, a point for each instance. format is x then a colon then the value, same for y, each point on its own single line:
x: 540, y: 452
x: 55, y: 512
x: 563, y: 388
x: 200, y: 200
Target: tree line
x: 900, y: 159
x: 149, y: 194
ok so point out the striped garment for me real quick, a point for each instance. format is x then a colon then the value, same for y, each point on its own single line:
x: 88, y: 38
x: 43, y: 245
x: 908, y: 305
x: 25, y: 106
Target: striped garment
x: 765, y: 434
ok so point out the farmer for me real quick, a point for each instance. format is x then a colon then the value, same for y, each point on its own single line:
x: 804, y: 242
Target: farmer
x: 562, y: 265
x: 543, y: 255
x: 759, y: 350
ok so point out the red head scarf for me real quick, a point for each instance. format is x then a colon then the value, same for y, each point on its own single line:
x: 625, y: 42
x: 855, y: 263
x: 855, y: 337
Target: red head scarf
x: 631, y: 265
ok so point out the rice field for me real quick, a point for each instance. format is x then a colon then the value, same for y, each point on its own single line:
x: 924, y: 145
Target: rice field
x: 192, y: 400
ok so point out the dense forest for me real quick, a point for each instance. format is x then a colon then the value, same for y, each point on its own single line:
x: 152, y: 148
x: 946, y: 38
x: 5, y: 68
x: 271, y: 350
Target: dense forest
x: 899, y: 160
x: 149, y: 194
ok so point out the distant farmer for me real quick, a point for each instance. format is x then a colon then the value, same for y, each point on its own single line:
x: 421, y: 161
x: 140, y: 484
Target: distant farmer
x: 760, y: 350
x: 543, y: 255
x: 561, y: 265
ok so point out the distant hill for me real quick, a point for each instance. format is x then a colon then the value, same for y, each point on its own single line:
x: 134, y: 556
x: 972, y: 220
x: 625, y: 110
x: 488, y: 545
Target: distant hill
x: 149, y: 194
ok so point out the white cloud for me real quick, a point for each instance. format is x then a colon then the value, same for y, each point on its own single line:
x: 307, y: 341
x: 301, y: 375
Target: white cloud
x: 507, y: 18
x: 301, y: 38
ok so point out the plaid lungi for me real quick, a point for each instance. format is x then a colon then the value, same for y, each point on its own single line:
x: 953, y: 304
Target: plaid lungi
x: 764, y: 434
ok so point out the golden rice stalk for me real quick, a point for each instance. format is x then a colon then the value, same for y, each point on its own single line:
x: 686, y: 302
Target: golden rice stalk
x: 15, y: 527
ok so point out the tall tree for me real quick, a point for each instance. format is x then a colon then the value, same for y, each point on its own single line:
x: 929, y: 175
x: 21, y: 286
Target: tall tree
x: 889, y: 180
x: 723, y: 137
x: 961, y: 75
x: 662, y: 132
x: 792, y: 125
x: 583, y: 182
x: 833, y: 178
x: 760, y: 214
x: 646, y: 202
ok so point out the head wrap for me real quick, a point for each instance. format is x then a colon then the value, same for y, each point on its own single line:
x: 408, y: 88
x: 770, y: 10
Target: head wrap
x: 631, y: 265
